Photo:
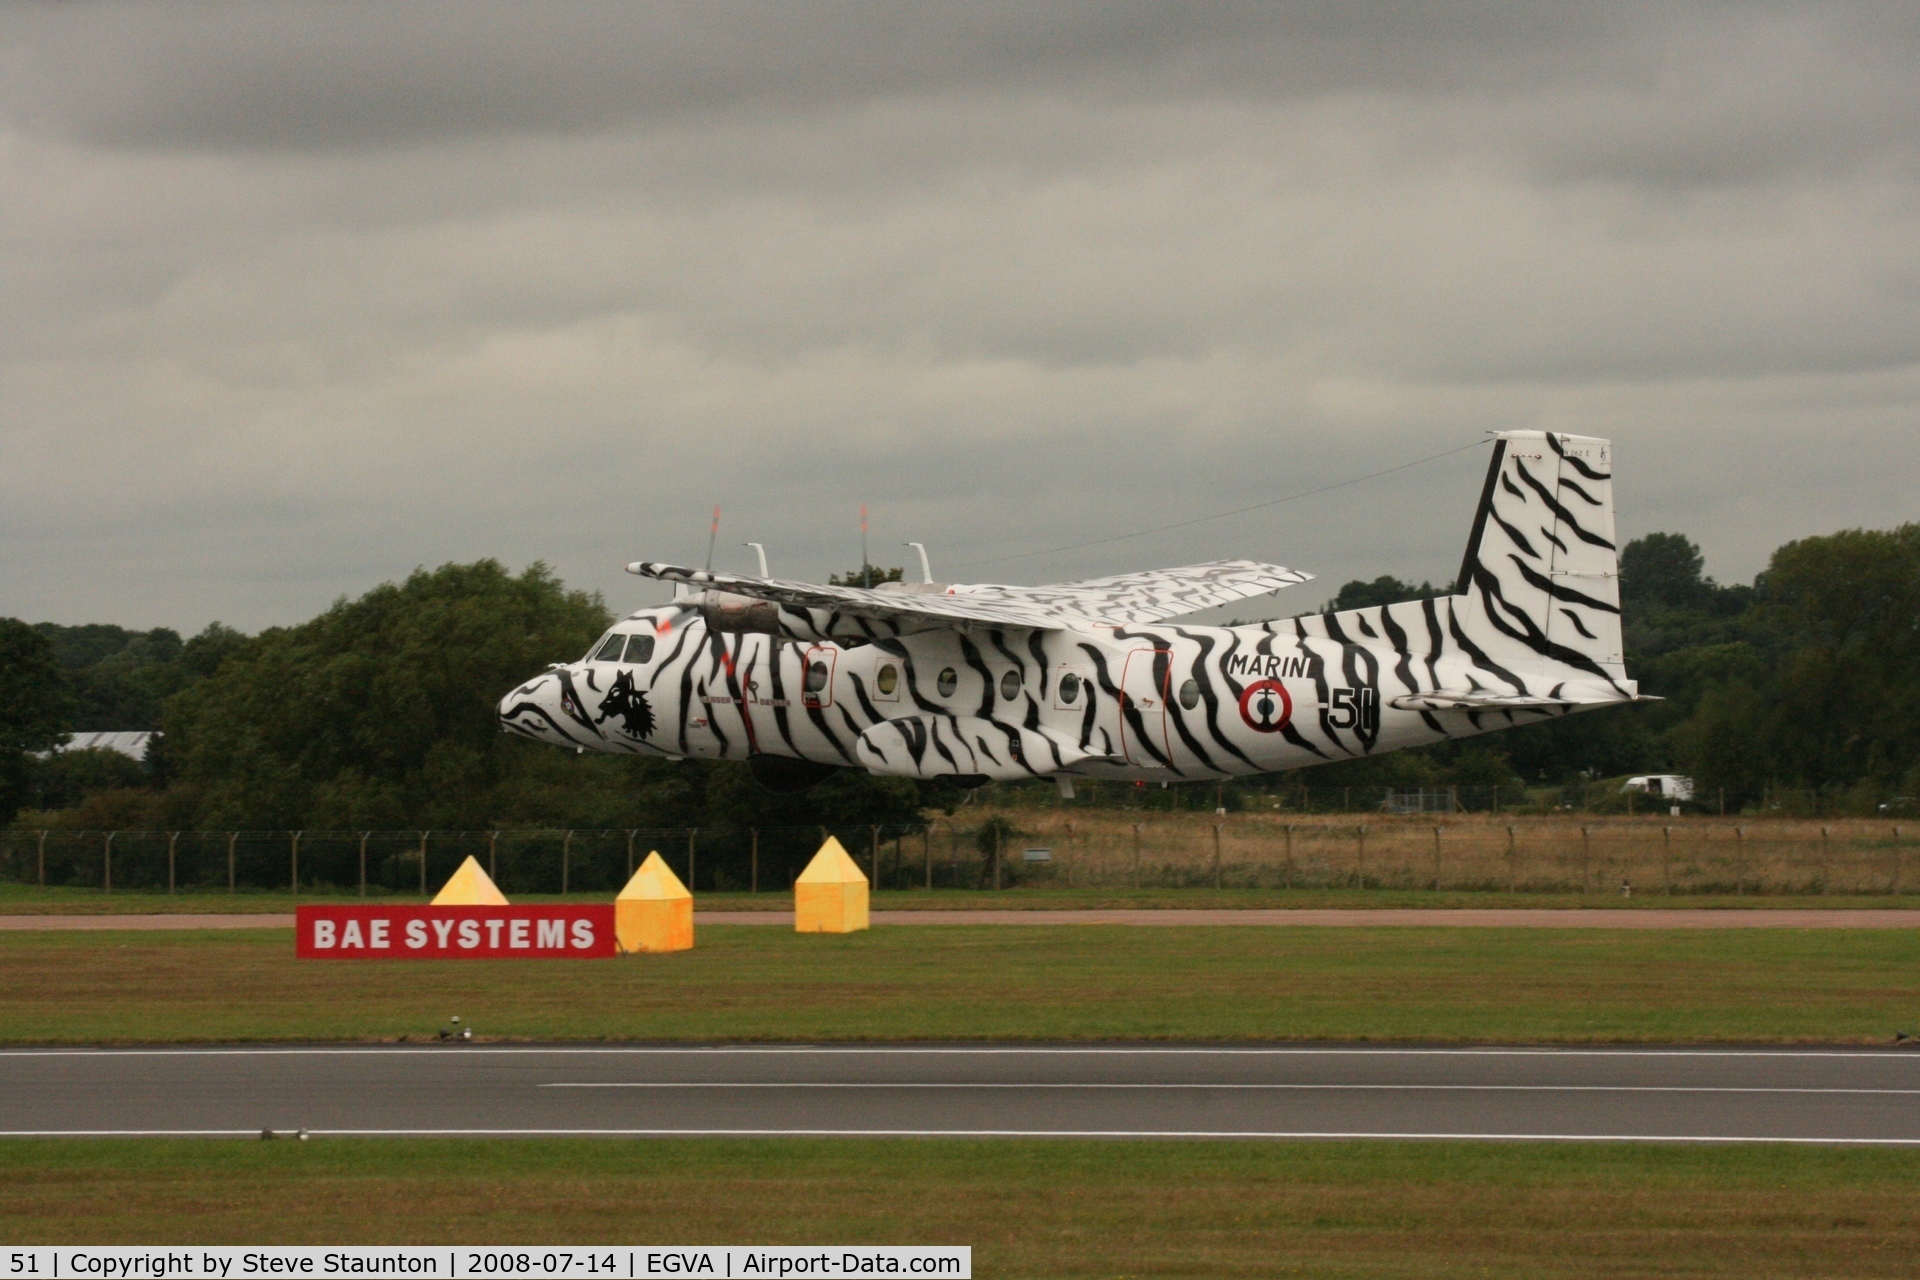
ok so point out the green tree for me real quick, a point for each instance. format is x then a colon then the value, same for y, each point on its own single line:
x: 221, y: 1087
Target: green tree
x: 35, y: 712
x: 1384, y: 589
x: 381, y: 708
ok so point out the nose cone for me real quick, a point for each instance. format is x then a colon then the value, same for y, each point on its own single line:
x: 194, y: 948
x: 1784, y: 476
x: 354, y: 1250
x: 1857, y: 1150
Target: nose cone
x: 534, y: 711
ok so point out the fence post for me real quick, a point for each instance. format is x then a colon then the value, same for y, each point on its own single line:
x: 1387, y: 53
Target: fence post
x: 1360, y: 855
x: 1586, y: 859
x: 233, y: 838
x: 1513, y: 864
x: 1136, y: 853
x: 1899, y: 859
x: 1739, y: 861
x: 106, y: 864
x: 1826, y: 858
x: 1436, y: 858
x: 926, y: 850
x: 997, y: 859
x: 753, y: 861
x: 630, y: 836
x: 1070, y: 858
x: 363, y: 862
x: 423, y: 863
x: 1287, y: 831
x: 295, y: 890
x: 1216, y: 855
x: 43, y: 856
x: 173, y: 840
x: 692, y: 836
x: 1666, y: 859
x: 873, y: 852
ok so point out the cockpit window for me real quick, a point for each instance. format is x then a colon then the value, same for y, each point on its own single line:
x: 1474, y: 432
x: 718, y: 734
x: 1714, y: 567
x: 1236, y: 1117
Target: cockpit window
x: 639, y: 650
x: 610, y: 651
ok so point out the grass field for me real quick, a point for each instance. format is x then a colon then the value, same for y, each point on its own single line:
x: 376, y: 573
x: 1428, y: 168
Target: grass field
x: 1039, y: 1208
x: 1036, y: 982
x: 17, y: 899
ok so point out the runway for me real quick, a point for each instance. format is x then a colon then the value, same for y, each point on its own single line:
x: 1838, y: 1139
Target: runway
x: 1676, y: 1094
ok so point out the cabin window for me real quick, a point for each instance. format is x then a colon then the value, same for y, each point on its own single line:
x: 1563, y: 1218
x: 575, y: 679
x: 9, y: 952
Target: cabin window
x: 1190, y: 694
x: 610, y: 651
x: 887, y: 679
x: 949, y: 681
x: 639, y: 649
x: 1010, y: 685
x: 1069, y: 688
x: 816, y: 676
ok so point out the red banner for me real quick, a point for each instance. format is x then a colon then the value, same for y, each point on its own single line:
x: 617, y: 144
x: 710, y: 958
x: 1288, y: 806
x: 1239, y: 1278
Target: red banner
x: 547, y: 932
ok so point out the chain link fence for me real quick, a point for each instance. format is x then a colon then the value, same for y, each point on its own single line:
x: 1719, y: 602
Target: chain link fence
x: 1105, y: 849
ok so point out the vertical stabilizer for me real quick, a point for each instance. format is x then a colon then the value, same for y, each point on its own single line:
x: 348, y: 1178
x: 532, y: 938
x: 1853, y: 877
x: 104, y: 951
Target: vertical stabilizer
x: 1539, y: 591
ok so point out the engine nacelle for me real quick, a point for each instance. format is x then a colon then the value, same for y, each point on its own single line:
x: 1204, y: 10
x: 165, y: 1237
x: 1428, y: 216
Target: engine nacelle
x: 732, y: 614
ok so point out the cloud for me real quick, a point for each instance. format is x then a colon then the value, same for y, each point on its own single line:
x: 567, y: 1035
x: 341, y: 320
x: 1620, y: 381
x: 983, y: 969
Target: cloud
x: 293, y: 298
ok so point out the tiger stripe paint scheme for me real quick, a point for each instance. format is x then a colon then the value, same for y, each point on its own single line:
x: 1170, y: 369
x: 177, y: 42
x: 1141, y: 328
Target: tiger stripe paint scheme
x: 876, y: 680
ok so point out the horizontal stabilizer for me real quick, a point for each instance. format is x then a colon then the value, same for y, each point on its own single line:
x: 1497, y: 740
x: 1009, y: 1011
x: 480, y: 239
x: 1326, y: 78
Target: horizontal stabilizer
x: 933, y: 746
x: 1562, y: 697
x: 1455, y: 700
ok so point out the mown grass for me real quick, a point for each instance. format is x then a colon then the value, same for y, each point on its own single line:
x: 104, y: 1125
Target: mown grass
x: 1029, y: 1208
x: 19, y: 899
x: 991, y: 982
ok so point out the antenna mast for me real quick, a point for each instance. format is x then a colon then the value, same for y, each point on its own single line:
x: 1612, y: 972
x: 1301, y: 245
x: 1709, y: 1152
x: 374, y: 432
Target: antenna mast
x: 712, y: 534
x: 866, y: 569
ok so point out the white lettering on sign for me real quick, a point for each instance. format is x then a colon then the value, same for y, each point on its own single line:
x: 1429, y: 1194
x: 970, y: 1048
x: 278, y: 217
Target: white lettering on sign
x: 469, y: 934
x: 350, y: 936
x: 583, y: 934
x: 442, y: 933
x: 323, y: 933
x: 553, y: 933
x: 416, y: 934
x: 493, y: 934
x: 377, y: 933
x: 517, y: 934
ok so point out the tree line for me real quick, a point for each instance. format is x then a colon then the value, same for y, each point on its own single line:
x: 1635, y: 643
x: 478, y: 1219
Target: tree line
x: 379, y: 713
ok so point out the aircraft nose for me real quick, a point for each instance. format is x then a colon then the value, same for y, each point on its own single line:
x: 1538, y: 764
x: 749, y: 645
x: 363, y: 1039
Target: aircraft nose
x: 529, y: 709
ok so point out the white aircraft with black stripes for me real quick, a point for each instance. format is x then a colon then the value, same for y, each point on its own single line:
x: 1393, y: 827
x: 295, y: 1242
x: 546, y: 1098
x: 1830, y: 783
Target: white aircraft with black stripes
x: 973, y: 682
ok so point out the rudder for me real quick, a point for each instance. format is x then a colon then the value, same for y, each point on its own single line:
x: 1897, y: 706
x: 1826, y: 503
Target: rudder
x: 1539, y: 589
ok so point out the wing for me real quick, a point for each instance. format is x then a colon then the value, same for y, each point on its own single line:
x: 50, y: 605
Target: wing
x: 1155, y: 594
x: 1117, y: 601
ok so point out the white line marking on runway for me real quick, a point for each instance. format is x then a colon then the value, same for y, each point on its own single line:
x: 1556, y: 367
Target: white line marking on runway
x: 1471, y: 1088
x: 967, y: 1133
x: 464, y: 1050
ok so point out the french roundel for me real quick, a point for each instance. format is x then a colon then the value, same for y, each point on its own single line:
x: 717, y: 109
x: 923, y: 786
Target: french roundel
x: 1266, y: 707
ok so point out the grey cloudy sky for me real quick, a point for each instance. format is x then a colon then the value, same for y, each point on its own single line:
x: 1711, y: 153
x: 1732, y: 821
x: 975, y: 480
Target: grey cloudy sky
x: 296, y: 297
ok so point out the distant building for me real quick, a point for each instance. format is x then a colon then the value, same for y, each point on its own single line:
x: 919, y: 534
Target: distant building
x: 1668, y: 786
x: 128, y: 742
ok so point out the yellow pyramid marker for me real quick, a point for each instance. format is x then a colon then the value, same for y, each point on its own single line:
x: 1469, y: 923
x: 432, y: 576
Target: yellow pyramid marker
x: 469, y: 887
x: 830, y: 896
x: 655, y: 911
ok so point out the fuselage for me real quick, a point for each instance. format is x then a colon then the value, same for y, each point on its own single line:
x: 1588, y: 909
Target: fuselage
x: 1154, y: 702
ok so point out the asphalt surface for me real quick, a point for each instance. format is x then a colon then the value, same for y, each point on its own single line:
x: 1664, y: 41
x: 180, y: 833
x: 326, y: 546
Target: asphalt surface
x: 1328, y: 917
x: 1851, y: 1096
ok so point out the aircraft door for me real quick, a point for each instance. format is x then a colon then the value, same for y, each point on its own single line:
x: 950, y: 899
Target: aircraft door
x: 1143, y: 706
x: 816, y: 687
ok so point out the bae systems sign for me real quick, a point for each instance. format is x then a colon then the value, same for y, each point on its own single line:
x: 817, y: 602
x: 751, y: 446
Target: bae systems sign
x: 545, y: 932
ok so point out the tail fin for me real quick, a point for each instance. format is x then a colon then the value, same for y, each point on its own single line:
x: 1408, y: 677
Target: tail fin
x: 1539, y: 590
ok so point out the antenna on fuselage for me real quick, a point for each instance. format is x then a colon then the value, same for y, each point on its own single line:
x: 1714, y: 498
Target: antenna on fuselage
x: 926, y: 570
x: 866, y: 569
x: 712, y: 534
x: 760, y: 551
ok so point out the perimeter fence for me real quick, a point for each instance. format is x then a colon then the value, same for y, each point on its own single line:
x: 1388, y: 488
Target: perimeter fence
x: 1099, y: 849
